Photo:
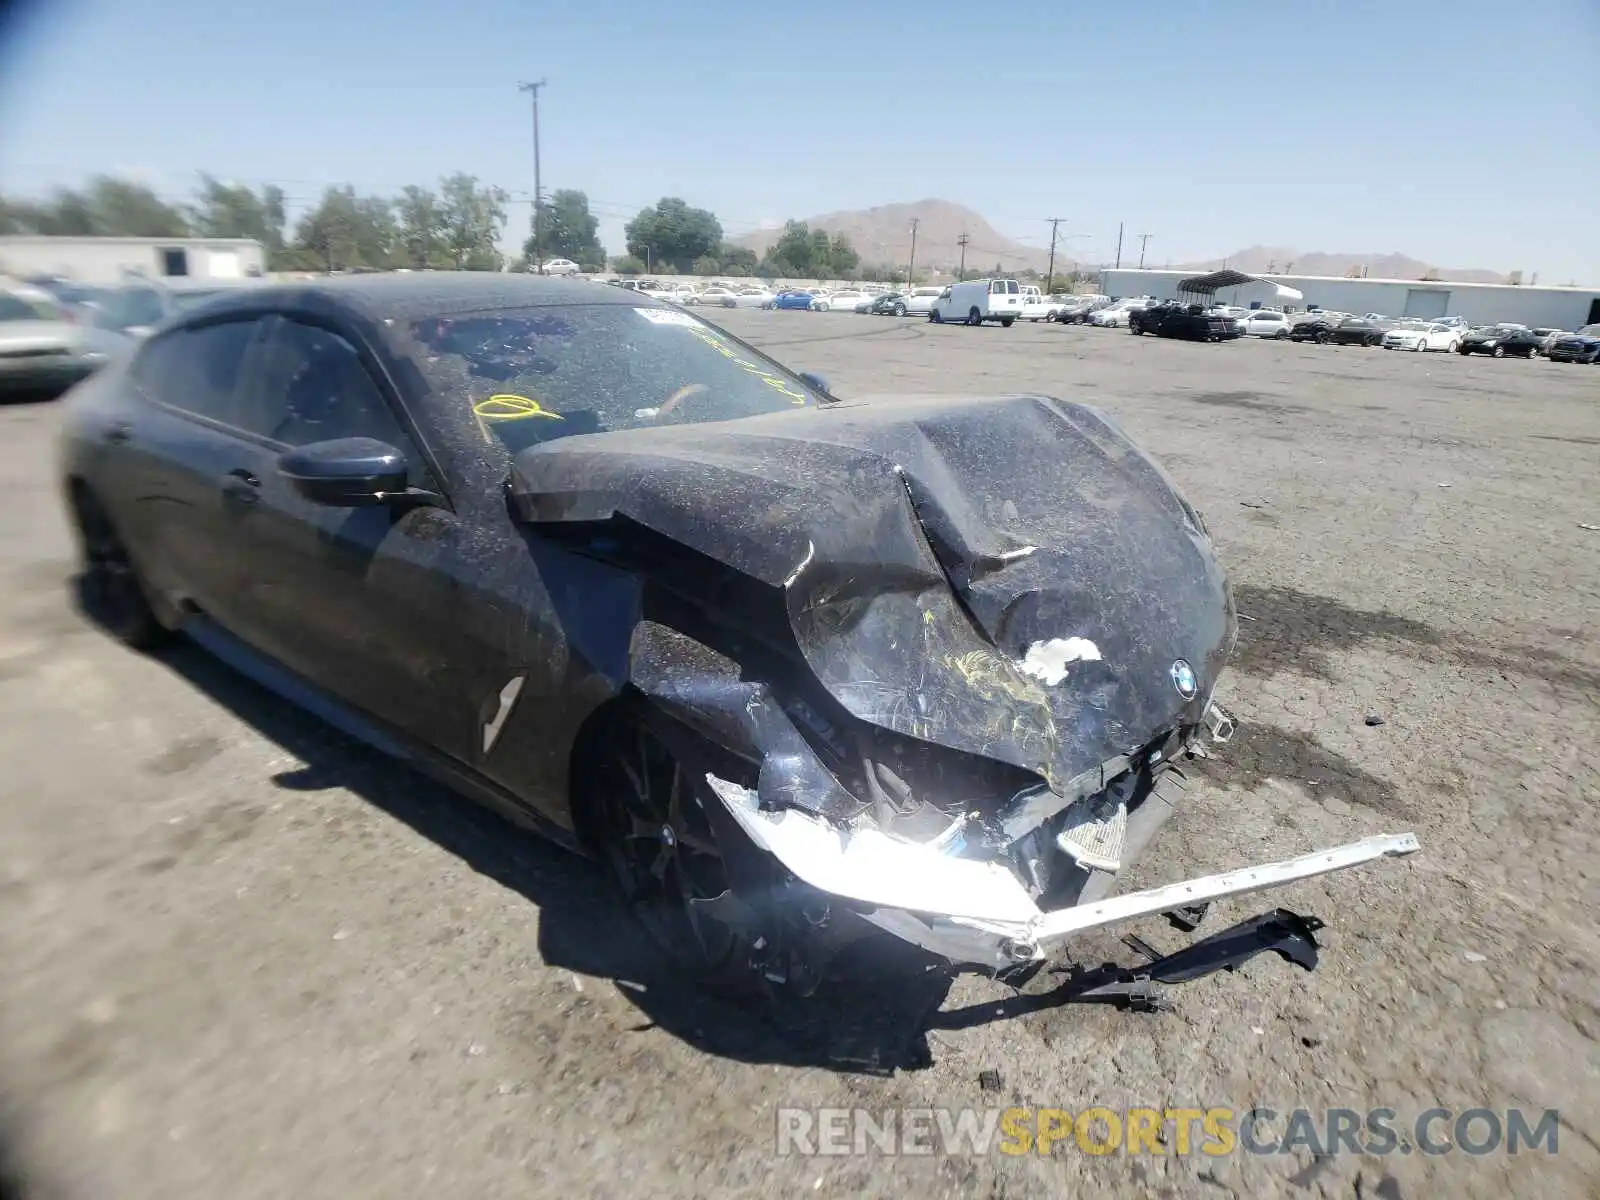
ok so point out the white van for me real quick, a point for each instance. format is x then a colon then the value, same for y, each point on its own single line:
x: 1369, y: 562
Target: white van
x: 979, y: 300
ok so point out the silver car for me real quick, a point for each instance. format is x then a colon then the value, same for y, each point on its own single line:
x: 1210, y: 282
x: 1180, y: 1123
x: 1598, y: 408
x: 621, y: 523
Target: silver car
x: 137, y: 307
x: 43, y: 348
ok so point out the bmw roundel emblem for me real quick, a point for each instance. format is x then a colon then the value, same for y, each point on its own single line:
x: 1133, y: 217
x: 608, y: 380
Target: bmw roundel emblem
x: 1183, y: 679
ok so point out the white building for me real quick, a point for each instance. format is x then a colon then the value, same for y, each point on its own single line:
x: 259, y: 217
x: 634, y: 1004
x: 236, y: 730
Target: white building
x: 1479, y: 303
x: 107, y: 260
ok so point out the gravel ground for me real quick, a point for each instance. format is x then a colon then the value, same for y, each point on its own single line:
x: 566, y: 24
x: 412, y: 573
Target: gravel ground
x: 241, y: 956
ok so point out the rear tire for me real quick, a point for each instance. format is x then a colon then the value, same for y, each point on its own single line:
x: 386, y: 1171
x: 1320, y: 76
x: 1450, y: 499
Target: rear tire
x: 974, y: 317
x: 1005, y: 322
x: 110, y: 589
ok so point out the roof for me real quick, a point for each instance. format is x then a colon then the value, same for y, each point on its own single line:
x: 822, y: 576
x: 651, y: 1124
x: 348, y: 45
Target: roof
x: 412, y: 295
x: 20, y: 239
x: 1437, y: 284
x: 1207, y: 285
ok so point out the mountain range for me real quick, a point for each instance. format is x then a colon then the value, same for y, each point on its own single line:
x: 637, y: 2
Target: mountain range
x: 882, y: 235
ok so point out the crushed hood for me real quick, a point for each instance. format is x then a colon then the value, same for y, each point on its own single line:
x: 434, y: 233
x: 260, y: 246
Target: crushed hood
x: 943, y: 564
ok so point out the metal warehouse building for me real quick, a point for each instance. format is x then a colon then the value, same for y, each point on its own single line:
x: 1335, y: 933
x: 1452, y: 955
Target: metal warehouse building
x: 1479, y: 303
x: 104, y: 260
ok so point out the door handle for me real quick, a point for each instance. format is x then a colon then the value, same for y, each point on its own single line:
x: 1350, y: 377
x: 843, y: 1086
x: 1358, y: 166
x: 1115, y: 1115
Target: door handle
x: 242, y: 486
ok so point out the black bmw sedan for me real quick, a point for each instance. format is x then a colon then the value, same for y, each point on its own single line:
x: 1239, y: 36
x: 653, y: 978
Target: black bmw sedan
x: 1501, y: 340
x: 796, y: 669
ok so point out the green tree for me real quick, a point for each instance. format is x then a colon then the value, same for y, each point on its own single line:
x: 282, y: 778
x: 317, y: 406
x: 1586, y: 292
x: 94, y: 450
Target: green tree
x: 234, y: 211
x: 793, y: 248
x: 842, y: 257
x: 419, y: 229
x: 627, y: 264
x: 569, y: 230
x: 738, y: 260
x: 122, y: 208
x: 344, y: 231
x: 673, y: 234
x: 471, y: 219
x: 706, y: 264
x: 108, y: 207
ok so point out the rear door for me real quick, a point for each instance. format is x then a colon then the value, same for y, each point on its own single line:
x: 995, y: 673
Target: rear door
x: 181, y: 447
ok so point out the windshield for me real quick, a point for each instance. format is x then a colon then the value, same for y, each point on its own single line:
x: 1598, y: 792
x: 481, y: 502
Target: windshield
x: 534, y: 374
x: 128, y: 307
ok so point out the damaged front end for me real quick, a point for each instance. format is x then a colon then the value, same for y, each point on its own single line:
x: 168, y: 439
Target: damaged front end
x: 934, y: 662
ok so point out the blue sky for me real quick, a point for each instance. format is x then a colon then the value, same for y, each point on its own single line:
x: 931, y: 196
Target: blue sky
x: 1464, y: 134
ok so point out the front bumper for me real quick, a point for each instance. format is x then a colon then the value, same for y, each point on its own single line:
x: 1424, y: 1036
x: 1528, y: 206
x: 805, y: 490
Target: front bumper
x: 977, y: 913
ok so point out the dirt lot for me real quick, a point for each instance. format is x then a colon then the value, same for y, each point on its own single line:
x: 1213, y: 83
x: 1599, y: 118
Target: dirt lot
x: 240, y: 956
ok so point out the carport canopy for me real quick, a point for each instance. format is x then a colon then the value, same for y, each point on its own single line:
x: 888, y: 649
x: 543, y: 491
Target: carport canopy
x: 1210, y: 285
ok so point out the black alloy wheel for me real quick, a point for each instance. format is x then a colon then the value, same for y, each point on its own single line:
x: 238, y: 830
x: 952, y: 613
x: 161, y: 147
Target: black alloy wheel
x: 654, y: 836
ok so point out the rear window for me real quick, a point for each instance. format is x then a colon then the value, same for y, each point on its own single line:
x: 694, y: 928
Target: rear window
x: 185, y: 300
x: 529, y: 375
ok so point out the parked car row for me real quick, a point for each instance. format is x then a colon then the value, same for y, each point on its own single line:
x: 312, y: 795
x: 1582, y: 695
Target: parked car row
x: 47, y: 346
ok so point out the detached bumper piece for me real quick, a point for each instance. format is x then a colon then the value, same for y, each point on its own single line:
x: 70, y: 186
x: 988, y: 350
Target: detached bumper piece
x: 977, y: 913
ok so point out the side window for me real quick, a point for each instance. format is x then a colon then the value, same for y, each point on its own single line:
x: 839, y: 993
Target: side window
x: 1011, y: 287
x: 313, y: 387
x: 997, y: 287
x: 197, y: 369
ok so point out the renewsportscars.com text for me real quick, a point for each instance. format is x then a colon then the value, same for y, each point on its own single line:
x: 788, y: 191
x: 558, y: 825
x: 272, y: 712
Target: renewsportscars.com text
x: 1213, y: 1131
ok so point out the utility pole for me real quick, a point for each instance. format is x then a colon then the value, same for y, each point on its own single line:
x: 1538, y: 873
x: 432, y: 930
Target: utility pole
x: 911, y: 265
x: 1119, y: 244
x: 1050, y: 271
x: 1144, y: 239
x: 538, y: 193
x: 961, y: 271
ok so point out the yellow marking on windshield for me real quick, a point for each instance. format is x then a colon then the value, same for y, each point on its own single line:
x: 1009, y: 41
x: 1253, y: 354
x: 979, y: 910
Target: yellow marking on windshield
x: 508, y: 407
x: 776, y: 382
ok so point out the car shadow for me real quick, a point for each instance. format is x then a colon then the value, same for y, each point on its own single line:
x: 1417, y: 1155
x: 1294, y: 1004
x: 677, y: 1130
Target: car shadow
x: 873, y: 1020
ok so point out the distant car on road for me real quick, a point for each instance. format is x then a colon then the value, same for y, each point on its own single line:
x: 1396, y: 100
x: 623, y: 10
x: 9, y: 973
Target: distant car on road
x: 796, y: 300
x: 838, y: 301
x: 1420, y: 336
x: 1359, y: 331
x: 1501, y: 340
x: 1580, y: 347
x: 752, y: 297
x: 559, y: 266
x: 713, y: 297
x: 1173, y: 319
x: 1264, y: 323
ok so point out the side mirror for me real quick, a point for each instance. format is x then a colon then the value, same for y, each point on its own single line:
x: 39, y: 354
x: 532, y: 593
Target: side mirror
x: 815, y: 382
x: 346, y: 472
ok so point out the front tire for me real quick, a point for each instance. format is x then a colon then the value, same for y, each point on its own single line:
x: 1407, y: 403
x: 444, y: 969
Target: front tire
x: 110, y: 588
x: 974, y: 317
x: 645, y: 815
x: 899, y: 310
x: 1499, y: 351
x: 1005, y: 322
